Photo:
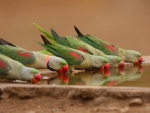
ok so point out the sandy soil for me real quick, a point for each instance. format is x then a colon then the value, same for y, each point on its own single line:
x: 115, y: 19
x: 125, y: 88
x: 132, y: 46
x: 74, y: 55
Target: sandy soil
x: 59, y: 99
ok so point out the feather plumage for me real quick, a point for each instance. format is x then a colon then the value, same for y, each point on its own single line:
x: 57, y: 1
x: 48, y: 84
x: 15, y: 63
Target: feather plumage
x: 32, y: 59
x: 75, y: 58
x: 14, y: 70
x: 130, y: 56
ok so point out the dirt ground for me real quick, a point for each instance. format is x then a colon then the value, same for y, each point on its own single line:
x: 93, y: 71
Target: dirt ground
x: 59, y: 99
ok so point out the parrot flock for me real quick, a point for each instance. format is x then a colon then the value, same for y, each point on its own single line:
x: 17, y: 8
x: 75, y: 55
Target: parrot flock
x: 63, y: 55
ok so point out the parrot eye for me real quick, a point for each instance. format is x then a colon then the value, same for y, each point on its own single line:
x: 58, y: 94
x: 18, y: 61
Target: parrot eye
x: 115, y: 61
x: 103, y: 61
x: 31, y: 72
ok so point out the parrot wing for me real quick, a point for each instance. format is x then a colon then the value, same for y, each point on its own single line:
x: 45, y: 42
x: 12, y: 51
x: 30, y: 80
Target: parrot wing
x: 48, y: 35
x: 23, y: 56
x: 70, y: 55
x: 105, y: 47
x: 70, y: 42
x: 4, y: 67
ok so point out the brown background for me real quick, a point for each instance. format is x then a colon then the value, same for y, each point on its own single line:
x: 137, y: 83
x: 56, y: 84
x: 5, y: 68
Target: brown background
x: 125, y: 23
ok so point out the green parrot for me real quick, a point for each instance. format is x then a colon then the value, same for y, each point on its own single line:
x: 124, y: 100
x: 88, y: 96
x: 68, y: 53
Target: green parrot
x: 130, y: 56
x: 75, y: 58
x: 114, y: 61
x: 33, y: 59
x: 14, y: 70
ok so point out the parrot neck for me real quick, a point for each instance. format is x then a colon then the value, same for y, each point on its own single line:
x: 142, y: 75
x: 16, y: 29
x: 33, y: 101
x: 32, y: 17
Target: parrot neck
x: 16, y: 71
x: 100, y: 53
x: 41, y: 61
x: 24, y: 73
x: 93, y: 61
x: 122, y: 53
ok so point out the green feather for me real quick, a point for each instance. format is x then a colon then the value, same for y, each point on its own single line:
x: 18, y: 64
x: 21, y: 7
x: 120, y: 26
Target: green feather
x: 23, y: 56
x: 103, y: 46
x: 63, y: 52
x: 70, y: 42
x: 46, y: 52
x: 84, y: 47
x: 4, y: 66
x: 60, y: 40
x: 48, y: 35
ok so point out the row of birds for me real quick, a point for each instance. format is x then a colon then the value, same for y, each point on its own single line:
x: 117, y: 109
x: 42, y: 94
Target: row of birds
x: 62, y: 54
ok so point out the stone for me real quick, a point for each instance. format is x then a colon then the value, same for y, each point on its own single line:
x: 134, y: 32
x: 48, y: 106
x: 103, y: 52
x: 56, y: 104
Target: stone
x: 53, y: 110
x: 124, y: 110
x: 136, y: 102
x: 4, y: 96
x: 99, y: 100
x: 95, y: 109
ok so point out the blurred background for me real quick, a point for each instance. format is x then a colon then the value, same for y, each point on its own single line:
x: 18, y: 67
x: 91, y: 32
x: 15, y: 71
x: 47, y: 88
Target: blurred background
x: 124, y: 23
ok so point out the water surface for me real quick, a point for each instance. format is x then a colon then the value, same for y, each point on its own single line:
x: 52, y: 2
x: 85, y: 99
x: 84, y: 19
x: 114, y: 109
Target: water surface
x: 130, y: 76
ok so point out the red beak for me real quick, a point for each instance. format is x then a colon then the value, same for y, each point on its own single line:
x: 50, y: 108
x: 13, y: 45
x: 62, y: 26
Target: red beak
x: 60, y: 71
x: 107, y: 66
x: 65, y: 68
x: 37, y: 78
x: 121, y: 64
x: 140, y: 60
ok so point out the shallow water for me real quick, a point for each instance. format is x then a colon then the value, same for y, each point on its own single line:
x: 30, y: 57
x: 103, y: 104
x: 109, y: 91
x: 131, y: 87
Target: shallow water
x: 130, y: 76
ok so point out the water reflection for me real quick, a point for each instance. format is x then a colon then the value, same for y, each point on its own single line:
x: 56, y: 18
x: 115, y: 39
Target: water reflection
x: 111, y: 77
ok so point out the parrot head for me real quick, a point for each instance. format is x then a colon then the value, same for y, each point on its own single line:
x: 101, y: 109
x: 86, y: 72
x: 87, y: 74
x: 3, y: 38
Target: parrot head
x: 57, y: 64
x: 100, y: 62
x: 133, y: 57
x: 30, y: 74
x: 115, y: 61
x: 36, y: 78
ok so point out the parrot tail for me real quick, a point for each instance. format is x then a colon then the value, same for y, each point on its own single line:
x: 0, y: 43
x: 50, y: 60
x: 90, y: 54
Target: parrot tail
x: 4, y: 42
x: 78, y: 32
